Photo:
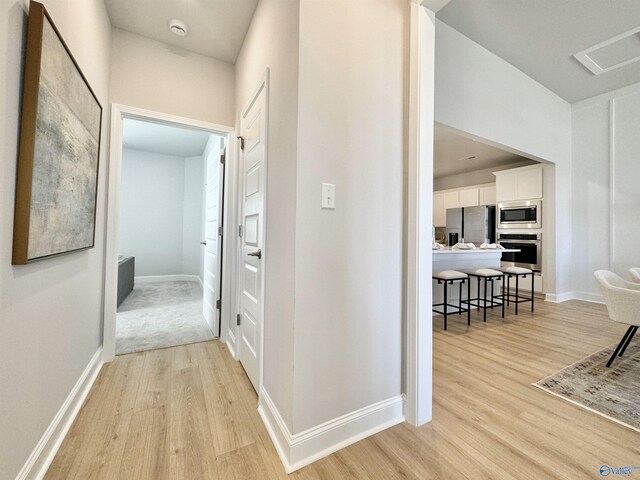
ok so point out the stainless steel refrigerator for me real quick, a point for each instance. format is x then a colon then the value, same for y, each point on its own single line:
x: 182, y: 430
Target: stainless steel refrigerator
x: 473, y: 224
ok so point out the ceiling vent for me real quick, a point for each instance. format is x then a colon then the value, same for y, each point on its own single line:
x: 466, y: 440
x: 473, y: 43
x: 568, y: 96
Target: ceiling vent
x: 178, y: 27
x: 611, y: 54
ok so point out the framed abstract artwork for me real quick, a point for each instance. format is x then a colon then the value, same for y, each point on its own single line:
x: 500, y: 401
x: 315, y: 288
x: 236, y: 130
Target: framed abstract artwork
x: 59, y: 152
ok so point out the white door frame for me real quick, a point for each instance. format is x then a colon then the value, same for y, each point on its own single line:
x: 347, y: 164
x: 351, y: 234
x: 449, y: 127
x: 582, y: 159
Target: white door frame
x: 418, y: 334
x: 118, y: 112
x: 263, y: 84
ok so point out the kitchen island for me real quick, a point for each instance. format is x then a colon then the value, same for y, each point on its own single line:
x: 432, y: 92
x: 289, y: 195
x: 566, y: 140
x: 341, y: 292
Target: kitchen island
x: 464, y: 259
x: 456, y: 259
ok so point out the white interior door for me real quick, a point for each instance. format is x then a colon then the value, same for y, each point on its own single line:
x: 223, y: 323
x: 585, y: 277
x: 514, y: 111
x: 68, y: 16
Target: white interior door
x: 212, y: 243
x: 252, y: 132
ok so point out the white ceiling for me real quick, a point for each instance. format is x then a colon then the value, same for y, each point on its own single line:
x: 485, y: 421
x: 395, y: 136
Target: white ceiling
x: 540, y: 38
x: 451, y: 152
x: 216, y: 28
x: 163, y: 139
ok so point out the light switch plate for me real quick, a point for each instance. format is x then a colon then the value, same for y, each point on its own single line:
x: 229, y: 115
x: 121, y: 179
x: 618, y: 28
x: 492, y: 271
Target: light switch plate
x: 328, y: 196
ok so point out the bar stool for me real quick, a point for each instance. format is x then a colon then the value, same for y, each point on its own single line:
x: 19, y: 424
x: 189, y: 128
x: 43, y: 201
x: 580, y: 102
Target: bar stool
x: 449, y: 277
x: 487, y: 276
x: 517, y: 272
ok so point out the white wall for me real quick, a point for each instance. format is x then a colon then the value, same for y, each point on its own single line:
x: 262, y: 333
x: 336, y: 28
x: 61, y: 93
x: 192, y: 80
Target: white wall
x: 154, y: 76
x: 333, y: 299
x: 476, y: 177
x: 160, y: 212
x: 481, y: 94
x: 50, y: 311
x: 348, y: 261
x: 606, y: 199
x: 272, y: 41
x: 590, y: 212
x: 192, y: 233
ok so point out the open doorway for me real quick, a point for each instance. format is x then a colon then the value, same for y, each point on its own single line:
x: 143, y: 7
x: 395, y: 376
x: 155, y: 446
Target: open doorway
x: 169, y: 267
x: 160, y: 214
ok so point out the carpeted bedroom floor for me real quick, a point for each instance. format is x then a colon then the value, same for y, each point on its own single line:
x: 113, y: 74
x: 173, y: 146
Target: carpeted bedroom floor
x: 159, y: 315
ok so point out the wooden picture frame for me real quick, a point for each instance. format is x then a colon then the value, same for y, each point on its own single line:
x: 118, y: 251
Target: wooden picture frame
x: 59, y: 150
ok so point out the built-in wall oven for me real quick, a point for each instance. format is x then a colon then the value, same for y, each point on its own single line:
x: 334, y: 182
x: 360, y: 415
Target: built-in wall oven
x: 530, y: 246
x: 521, y: 214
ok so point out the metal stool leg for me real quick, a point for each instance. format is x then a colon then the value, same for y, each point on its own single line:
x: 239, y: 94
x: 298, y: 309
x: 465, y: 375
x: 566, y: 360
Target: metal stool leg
x: 460, y: 298
x: 468, y: 298
x: 491, y: 292
x: 445, y: 305
x: 533, y: 290
x: 517, y: 295
x: 503, y: 281
x: 484, y: 303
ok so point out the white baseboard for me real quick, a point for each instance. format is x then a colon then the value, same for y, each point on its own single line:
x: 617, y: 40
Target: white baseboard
x: 588, y: 297
x: 301, y: 449
x: 231, y: 343
x: 40, y: 459
x: 166, y: 278
x: 201, y: 284
x: 559, y: 298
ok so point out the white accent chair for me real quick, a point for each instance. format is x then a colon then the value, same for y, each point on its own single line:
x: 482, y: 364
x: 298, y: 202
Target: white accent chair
x: 635, y: 274
x: 623, y: 304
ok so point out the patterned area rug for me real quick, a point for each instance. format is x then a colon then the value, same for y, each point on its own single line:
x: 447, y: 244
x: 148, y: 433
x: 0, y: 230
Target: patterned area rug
x: 159, y: 315
x: 611, y: 392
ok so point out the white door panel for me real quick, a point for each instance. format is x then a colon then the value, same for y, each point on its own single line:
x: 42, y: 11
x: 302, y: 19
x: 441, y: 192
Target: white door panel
x: 252, y: 130
x: 212, y: 254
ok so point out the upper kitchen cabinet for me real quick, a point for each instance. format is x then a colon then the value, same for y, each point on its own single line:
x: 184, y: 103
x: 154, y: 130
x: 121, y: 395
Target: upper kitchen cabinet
x: 487, y: 195
x: 439, y: 212
x: 530, y: 184
x: 469, y: 197
x: 519, y: 184
x: 451, y: 200
x: 506, y: 186
x: 442, y: 201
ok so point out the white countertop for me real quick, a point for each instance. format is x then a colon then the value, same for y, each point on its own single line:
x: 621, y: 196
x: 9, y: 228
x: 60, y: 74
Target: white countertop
x: 456, y: 251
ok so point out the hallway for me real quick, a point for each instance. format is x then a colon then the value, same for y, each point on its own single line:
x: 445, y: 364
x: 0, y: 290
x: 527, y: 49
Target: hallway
x: 190, y: 412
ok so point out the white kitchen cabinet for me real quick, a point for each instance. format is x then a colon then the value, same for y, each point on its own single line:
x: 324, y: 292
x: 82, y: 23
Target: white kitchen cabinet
x: 484, y: 194
x: 530, y: 184
x: 439, y: 212
x: 519, y: 184
x: 487, y: 195
x: 507, y: 187
x: 451, y: 200
x: 469, y: 197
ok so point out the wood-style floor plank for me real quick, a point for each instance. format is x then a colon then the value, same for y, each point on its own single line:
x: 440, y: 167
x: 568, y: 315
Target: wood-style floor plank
x: 189, y: 413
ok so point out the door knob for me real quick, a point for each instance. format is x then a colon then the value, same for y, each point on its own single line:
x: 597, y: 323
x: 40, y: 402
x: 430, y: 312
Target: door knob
x: 203, y: 243
x: 256, y: 254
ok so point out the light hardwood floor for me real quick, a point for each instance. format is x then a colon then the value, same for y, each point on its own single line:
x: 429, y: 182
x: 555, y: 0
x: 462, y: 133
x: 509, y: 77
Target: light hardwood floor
x: 189, y: 413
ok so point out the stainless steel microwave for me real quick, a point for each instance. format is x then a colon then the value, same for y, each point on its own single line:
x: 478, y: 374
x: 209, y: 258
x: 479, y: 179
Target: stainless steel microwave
x: 522, y: 214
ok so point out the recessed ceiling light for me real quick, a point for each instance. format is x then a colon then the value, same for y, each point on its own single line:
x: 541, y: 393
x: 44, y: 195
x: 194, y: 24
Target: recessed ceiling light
x: 178, y: 27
